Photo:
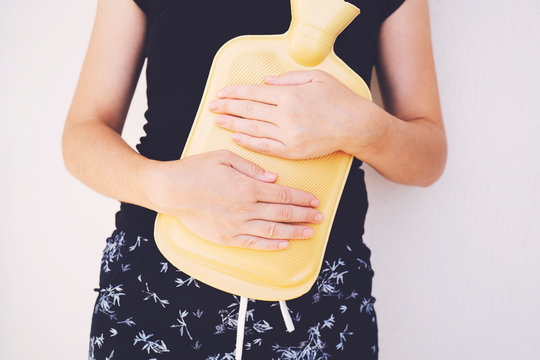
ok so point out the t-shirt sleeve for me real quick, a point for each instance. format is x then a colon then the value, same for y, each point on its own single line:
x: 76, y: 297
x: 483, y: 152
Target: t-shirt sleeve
x: 141, y: 4
x: 388, y: 6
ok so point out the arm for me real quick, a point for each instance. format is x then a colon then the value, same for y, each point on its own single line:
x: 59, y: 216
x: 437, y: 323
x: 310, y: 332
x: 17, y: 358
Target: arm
x: 93, y: 149
x: 218, y: 195
x: 310, y: 113
x: 408, y: 143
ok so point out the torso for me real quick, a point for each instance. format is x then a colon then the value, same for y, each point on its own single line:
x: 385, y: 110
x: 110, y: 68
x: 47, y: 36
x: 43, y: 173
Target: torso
x: 182, y: 38
x: 146, y: 307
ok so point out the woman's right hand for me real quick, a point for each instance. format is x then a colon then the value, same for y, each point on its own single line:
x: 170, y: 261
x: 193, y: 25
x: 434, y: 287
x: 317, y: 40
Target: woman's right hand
x: 227, y: 199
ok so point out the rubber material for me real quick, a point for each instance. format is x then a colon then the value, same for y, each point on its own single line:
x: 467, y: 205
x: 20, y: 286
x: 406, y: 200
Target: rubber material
x: 258, y: 274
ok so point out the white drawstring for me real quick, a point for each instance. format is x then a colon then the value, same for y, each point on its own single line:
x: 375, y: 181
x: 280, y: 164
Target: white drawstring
x: 286, y: 316
x: 242, y: 312
x: 240, y: 327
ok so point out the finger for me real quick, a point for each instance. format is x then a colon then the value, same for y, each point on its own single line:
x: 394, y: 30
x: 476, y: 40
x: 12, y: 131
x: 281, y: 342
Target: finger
x: 244, y: 108
x: 285, y: 213
x: 261, y: 144
x: 277, y: 230
x: 296, y: 77
x: 256, y: 92
x: 274, y: 193
x: 248, y: 126
x: 257, y: 243
x: 247, y: 167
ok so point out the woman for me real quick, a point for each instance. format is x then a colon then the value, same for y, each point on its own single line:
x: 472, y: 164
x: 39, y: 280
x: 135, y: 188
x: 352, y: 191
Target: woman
x: 145, y: 308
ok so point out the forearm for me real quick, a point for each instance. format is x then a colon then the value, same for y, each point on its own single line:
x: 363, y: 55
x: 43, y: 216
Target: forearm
x: 411, y: 152
x: 99, y: 157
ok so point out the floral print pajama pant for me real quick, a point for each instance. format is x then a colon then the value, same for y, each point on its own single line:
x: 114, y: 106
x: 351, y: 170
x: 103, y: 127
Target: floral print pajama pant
x: 147, y: 309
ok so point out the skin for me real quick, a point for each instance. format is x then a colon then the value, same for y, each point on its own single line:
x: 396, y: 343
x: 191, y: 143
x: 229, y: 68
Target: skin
x: 297, y: 115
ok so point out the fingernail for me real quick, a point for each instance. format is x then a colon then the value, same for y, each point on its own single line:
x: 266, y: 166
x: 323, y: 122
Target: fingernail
x: 283, y: 244
x: 213, y: 104
x: 219, y: 120
x: 221, y: 93
x: 315, y: 202
x: 270, y: 175
x: 319, y: 217
x: 308, y: 232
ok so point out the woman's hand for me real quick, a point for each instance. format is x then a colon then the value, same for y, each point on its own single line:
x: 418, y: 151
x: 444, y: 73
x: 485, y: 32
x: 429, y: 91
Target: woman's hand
x: 227, y: 199
x: 296, y: 115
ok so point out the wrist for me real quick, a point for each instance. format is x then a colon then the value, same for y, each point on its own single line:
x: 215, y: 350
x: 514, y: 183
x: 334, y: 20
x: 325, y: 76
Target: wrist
x: 165, y: 186
x: 363, y: 133
x: 149, y: 178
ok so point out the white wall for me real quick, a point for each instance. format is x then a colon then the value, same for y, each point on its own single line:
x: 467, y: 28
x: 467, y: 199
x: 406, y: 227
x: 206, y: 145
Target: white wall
x: 456, y: 268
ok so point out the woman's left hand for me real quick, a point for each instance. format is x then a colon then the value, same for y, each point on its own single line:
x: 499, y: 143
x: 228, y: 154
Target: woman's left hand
x: 297, y: 115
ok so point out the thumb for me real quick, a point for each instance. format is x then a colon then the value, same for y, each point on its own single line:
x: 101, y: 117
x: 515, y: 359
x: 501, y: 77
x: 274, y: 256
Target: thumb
x: 250, y: 169
x: 296, y: 77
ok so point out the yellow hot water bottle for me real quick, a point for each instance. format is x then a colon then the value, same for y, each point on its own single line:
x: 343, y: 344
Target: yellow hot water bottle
x: 277, y: 275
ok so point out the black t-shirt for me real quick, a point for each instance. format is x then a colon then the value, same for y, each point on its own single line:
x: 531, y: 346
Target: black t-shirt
x: 180, y: 52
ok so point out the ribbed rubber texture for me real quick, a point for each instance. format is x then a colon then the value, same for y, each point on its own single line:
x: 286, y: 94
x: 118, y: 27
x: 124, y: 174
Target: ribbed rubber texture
x: 257, y: 274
